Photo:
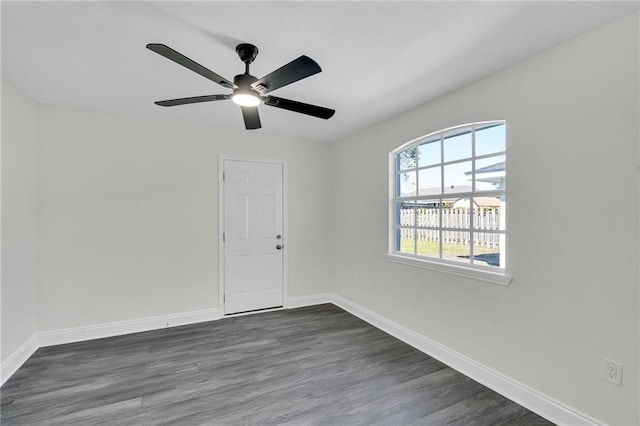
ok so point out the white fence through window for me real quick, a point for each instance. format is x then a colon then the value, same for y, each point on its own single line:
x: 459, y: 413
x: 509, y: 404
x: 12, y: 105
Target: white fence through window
x: 484, y: 219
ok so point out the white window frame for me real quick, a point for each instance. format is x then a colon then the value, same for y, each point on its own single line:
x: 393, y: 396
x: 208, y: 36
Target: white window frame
x: 474, y: 271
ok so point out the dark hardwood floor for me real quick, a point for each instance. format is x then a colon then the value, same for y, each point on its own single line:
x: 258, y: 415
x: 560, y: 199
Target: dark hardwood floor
x: 315, y: 365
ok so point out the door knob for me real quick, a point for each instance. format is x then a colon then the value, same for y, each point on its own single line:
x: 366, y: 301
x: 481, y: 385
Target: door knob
x: 279, y: 247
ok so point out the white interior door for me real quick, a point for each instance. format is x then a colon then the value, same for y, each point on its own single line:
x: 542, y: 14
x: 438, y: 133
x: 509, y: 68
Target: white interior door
x: 253, y: 236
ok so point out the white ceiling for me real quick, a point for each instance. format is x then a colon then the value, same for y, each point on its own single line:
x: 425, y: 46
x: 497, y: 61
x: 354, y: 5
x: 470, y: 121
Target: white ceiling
x: 378, y: 58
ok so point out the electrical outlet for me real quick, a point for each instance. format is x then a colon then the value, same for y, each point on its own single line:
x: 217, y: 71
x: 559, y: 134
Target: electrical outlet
x: 612, y: 371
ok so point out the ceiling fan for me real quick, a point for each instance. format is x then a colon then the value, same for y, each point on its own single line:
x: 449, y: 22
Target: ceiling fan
x: 249, y: 91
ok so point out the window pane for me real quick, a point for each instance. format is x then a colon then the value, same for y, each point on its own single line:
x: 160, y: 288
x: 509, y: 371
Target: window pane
x: 406, y: 213
x: 491, y: 173
x: 487, y: 213
x: 407, y: 240
x: 490, y: 139
x: 430, y: 181
x: 486, y: 249
x: 407, y: 159
x: 429, y: 243
x: 457, y: 177
x: 457, y: 147
x: 456, y: 246
x: 429, y: 153
x: 407, y: 184
x: 428, y: 214
x: 457, y: 214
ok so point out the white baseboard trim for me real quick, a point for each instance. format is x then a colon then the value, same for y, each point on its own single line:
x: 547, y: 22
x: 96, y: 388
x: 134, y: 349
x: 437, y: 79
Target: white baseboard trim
x: 316, y: 299
x: 79, y: 334
x: 539, y: 403
x: 16, y: 359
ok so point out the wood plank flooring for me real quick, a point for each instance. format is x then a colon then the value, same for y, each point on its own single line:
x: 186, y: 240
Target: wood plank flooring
x: 309, y: 366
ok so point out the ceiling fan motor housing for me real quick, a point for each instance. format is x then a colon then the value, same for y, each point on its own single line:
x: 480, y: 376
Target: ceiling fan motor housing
x: 243, y: 81
x: 243, y: 85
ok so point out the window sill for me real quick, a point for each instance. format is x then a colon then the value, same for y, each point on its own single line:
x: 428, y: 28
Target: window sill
x: 477, y: 274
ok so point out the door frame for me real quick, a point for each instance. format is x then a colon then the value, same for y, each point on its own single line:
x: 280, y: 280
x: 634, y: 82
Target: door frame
x: 285, y: 226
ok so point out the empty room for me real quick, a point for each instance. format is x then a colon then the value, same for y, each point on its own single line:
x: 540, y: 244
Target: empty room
x: 305, y: 213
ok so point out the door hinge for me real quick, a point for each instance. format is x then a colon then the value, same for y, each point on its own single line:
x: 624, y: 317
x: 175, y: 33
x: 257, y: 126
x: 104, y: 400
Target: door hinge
x: 224, y: 297
x: 223, y: 237
x: 223, y: 176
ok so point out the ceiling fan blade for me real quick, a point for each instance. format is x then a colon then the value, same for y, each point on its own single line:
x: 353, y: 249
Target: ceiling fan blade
x: 192, y: 100
x: 179, y: 58
x: 251, y: 117
x: 295, y: 70
x: 295, y: 106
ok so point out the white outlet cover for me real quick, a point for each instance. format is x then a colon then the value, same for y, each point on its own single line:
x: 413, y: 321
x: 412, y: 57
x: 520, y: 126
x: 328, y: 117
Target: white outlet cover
x: 612, y: 371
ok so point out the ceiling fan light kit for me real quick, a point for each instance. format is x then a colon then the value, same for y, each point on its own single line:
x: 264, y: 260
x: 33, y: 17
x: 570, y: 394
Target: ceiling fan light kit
x: 249, y: 91
x: 243, y: 98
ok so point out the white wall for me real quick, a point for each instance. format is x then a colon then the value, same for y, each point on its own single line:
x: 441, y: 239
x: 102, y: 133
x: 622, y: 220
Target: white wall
x: 128, y: 224
x: 572, y: 117
x: 18, y: 282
